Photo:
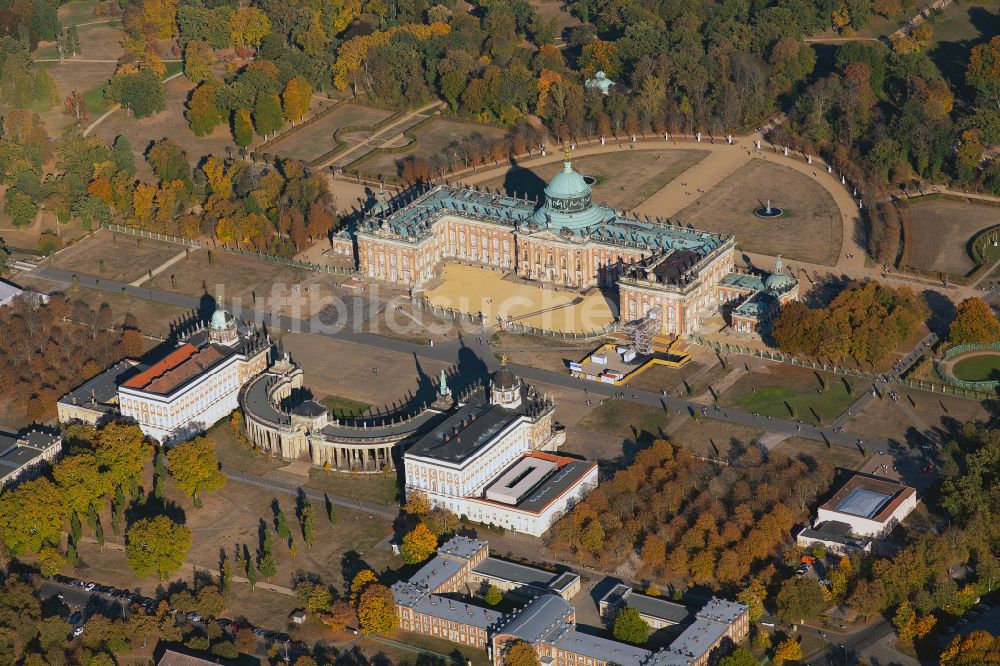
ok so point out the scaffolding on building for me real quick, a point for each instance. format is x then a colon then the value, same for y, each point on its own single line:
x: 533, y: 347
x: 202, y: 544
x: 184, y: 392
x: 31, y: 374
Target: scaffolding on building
x: 641, y: 332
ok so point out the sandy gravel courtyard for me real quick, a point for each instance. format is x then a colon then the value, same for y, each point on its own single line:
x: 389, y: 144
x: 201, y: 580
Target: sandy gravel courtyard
x: 473, y: 289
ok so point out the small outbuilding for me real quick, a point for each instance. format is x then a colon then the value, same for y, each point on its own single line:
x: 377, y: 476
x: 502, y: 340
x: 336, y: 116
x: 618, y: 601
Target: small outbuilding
x: 298, y: 617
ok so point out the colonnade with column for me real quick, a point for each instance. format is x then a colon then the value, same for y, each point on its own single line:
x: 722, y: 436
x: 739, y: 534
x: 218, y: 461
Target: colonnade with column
x: 367, y: 457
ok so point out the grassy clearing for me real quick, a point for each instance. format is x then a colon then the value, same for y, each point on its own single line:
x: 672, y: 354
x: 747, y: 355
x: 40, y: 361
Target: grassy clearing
x: 340, y: 406
x: 232, y: 454
x: 819, y: 406
x: 626, y: 419
x: 379, y: 488
x: 979, y: 368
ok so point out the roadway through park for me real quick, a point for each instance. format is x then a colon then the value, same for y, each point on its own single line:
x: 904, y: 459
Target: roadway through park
x: 470, y: 356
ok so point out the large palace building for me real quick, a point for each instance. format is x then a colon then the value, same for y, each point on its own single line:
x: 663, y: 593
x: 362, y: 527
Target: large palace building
x: 568, y: 241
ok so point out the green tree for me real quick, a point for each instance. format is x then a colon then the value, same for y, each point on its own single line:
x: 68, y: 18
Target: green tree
x: 753, y: 596
x: 281, y: 525
x: 199, y: 57
x: 242, y: 128
x: 983, y: 72
x: 159, y: 475
x: 314, y: 597
x: 139, y: 92
x: 226, y: 576
x: 4, y: 256
x: 121, y: 452
x: 740, y: 657
x: 157, y: 545
x: 799, y: 599
x: 493, y: 595
x: 267, y: 114
x: 251, y: 574
x: 195, y: 468
x: 81, y: 481
x: 32, y: 515
x: 20, y: 207
x: 203, y: 113
x: 630, y: 627
x: 50, y: 561
x: 307, y: 521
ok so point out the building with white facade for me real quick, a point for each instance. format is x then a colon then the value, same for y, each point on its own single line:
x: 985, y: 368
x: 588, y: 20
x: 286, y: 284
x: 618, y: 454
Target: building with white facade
x: 492, y: 462
x: 196, y: 385
x: 182, y: 394
x: 865, y: 508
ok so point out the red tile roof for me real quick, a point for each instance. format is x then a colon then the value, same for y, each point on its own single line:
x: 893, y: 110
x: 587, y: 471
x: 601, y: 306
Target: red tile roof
x: 178, y: 367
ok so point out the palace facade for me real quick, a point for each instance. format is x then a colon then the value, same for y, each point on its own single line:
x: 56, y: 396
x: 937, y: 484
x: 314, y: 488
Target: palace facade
x: 568, y: 241
x: 182, y: 394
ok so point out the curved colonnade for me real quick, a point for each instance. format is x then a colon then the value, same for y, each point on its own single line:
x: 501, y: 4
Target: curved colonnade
x: 307, y: 432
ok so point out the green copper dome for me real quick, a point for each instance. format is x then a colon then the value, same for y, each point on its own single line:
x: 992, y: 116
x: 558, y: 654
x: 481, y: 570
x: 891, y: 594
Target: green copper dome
x: 567, y: 184
x: 568, y: 203
x: 221, y: 320
x: 778, y: 281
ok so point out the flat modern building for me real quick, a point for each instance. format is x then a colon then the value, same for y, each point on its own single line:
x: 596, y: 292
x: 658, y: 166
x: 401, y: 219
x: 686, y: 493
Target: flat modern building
x: 24, y: 453
x: 866, y: 507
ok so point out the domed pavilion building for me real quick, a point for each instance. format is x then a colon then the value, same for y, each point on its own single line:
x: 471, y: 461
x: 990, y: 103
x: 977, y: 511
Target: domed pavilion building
x: 567, y: 240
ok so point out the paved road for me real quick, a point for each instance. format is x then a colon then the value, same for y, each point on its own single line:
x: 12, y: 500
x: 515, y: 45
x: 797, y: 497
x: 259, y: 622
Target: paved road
x: 477, y: 358
x: 847, y: 648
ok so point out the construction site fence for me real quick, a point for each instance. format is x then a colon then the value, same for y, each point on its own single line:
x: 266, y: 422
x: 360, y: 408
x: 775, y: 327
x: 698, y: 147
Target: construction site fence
x: 422, y: 303
x: 178, y: 240
x: 976, y: 393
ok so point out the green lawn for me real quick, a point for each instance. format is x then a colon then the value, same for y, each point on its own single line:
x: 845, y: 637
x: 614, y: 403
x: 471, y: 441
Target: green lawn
x: 96, y: 104
x: 810, y: 406
x: 983, y: 367
x: 626, y: 419
x: 379, y: 488
x: 339, y: 406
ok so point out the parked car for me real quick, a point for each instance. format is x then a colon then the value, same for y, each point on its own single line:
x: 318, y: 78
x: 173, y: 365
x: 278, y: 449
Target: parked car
x: 77, y: 631
x: 89, y: 587
x: 193, y: 617
x: 224, y: 622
